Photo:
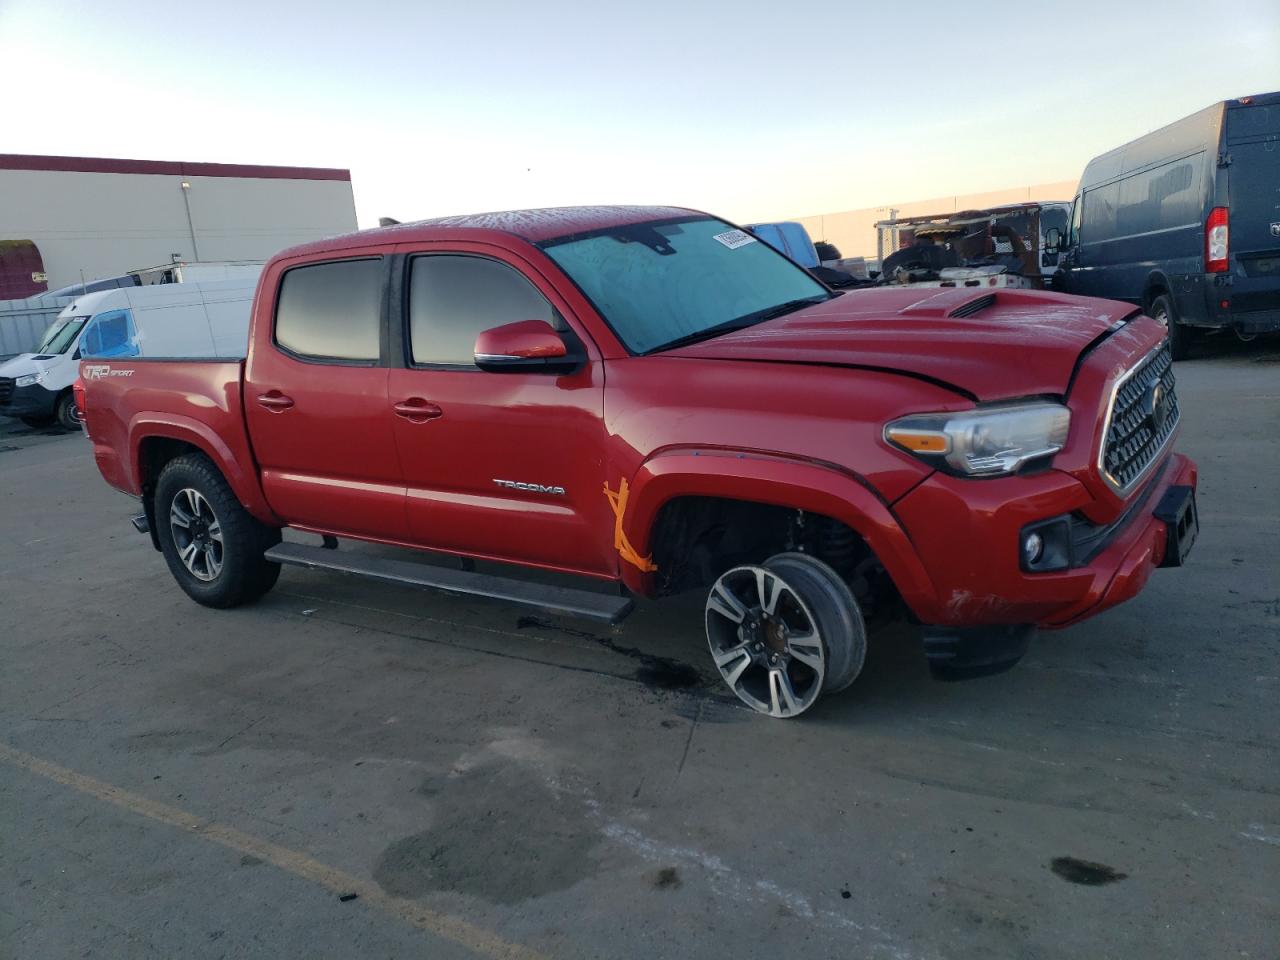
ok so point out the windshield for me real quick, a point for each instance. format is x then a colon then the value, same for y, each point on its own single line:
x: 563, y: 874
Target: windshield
x: 666, y: 283
x: 60, y: 335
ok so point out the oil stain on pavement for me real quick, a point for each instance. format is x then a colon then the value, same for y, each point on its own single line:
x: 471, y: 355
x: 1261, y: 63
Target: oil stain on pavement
x: 499, y: 834
x: 655, y: 672
x: 1085, y: 872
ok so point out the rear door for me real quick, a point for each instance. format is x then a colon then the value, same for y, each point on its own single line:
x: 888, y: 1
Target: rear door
x: 501, y: 465
x: 315, y: 398
x: 1253, y: 145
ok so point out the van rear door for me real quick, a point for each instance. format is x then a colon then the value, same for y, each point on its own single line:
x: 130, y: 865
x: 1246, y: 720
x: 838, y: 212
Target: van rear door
x: 1253, y: 145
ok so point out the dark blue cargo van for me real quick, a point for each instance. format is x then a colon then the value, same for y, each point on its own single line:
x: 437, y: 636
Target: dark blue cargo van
x: 1185, y: 222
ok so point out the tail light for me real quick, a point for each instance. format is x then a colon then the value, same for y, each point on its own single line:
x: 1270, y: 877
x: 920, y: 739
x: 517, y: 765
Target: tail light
x: 1216, y: 242
x: 77, y: 391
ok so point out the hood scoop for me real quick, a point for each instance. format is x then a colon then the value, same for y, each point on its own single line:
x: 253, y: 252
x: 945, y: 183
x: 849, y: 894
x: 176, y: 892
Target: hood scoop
x: 951, y: 303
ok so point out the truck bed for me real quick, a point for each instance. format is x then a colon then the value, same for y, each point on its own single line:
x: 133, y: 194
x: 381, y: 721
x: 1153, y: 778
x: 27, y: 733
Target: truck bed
x: 197, y: 402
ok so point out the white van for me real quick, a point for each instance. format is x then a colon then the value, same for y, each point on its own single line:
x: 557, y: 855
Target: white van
x: 161, y: 320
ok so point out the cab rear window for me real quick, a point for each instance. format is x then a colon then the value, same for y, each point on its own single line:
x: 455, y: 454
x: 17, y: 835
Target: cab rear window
x: 331, y: 311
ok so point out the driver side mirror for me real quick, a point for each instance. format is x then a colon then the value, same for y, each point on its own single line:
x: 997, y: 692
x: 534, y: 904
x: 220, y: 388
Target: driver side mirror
x: 527, y: 346
x: 1052, y: 240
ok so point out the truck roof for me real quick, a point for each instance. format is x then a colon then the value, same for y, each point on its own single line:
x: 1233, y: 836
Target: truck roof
x: 534, y: 226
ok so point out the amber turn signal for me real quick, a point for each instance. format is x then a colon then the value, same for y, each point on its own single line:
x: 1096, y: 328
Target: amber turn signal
x: 920, y: 442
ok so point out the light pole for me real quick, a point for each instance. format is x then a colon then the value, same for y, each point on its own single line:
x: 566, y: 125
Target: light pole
x: 186, y: 200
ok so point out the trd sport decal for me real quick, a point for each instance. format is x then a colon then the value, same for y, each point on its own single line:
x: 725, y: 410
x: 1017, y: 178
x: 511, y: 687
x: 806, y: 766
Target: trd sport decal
x: 99, y: 371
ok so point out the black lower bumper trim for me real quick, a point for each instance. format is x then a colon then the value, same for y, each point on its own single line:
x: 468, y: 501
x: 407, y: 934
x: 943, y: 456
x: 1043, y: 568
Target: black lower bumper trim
x: 1177, y: 510
x: 962, y: 653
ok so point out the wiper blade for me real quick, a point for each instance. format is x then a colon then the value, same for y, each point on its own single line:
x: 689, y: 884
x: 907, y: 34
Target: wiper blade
x: 738, y: 323
x: 791, y: 306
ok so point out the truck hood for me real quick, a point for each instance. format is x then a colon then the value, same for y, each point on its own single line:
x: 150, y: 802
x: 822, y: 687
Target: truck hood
x: 991, y: 345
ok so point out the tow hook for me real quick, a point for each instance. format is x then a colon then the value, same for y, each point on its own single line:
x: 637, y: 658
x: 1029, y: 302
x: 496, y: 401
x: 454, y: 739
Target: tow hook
x: 140, y: 523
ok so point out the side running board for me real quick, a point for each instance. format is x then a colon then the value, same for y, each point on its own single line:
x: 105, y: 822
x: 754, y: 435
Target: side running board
x: 536, y: 596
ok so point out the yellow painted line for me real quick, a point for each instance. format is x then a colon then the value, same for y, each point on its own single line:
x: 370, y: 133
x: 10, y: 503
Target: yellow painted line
x: 474, y: 938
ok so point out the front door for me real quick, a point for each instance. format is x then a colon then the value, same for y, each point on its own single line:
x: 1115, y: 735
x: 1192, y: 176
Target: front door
x: 315, y: 398
x: 501, y: 465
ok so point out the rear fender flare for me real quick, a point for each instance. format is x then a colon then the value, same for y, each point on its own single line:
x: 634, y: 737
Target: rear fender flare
x: 800, y: 484
x: 244, y: 483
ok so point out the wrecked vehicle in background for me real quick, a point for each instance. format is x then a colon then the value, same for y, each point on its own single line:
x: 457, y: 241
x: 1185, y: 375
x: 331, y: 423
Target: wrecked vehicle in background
x: 1010, y: 246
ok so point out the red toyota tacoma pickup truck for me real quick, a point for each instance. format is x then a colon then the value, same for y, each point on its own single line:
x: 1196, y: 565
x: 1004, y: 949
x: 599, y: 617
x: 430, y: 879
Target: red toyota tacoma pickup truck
x: 651, y: 398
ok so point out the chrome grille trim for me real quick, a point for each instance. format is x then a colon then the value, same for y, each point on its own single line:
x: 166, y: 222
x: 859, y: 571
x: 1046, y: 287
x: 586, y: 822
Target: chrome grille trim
x: 1131, y: 436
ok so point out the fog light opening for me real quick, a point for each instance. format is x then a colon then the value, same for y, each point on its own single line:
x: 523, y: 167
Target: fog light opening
x: 1032, y: 549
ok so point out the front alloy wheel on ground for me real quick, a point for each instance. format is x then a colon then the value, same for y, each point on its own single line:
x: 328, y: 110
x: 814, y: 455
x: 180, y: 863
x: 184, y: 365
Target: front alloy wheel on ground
x: 776, y: 633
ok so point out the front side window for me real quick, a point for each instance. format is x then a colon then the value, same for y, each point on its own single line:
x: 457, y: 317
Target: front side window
x: 453, y: 299
x: 332, y: 311
x: 60, y: 335
x: 663, y: 284
x: 110, y: 334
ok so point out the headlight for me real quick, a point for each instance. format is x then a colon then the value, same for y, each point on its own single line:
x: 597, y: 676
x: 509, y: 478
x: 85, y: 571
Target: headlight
x: 984, y: 442
x: 31, y: 379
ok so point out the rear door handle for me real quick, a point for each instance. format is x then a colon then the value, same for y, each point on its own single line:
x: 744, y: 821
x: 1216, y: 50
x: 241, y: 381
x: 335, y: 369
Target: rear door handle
x: 275, y: 401
x: 417, y: 410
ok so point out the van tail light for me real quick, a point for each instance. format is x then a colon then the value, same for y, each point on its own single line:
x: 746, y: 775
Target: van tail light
x: 1216, y: 243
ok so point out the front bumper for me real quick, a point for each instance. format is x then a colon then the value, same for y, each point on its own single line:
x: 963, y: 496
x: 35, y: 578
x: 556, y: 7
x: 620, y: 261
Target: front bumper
x: 967, y: 534
x: 32, y: 401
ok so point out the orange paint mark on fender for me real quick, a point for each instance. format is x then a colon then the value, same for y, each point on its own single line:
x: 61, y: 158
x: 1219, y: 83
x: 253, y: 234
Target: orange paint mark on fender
x: 620, y: 542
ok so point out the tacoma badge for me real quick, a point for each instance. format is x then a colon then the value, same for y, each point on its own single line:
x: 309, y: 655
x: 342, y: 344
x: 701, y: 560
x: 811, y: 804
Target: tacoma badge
x: 530, y: 487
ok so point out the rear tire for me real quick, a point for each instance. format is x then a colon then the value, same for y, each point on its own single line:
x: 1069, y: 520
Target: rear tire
x: 65, y: 412
x: 1162, y: 310
x: 211, y: 543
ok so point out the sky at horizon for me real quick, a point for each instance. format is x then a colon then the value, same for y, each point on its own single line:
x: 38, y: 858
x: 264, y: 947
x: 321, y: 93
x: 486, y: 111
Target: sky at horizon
x: 752, y: 110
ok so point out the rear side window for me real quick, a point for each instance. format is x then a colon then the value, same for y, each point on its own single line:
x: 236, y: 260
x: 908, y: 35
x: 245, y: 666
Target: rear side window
x: 332, y: 311
x: 1167, y: 196
x: 453, y: 299
x: 110, y: 334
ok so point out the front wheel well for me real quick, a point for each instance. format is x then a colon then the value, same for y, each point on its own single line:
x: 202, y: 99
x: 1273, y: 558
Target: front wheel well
x: 695, y: 539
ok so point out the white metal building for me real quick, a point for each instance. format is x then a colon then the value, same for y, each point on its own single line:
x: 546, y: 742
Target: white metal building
x: 94, y: 218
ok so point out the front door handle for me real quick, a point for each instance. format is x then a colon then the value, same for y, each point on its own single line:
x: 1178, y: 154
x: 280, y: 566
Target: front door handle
x: 417, y: 410
x: 275, y: 401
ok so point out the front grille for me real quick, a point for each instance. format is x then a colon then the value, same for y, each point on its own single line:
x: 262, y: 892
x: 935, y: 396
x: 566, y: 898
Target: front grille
x: 1142, y: 417
x: 6, y: 390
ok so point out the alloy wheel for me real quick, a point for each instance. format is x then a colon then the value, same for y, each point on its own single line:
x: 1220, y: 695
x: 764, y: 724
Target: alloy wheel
x: 765, y: 641
x: 197, y: 534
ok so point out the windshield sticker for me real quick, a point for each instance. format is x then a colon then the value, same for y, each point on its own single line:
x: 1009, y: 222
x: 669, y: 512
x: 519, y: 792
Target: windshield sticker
x: 733, y: 239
